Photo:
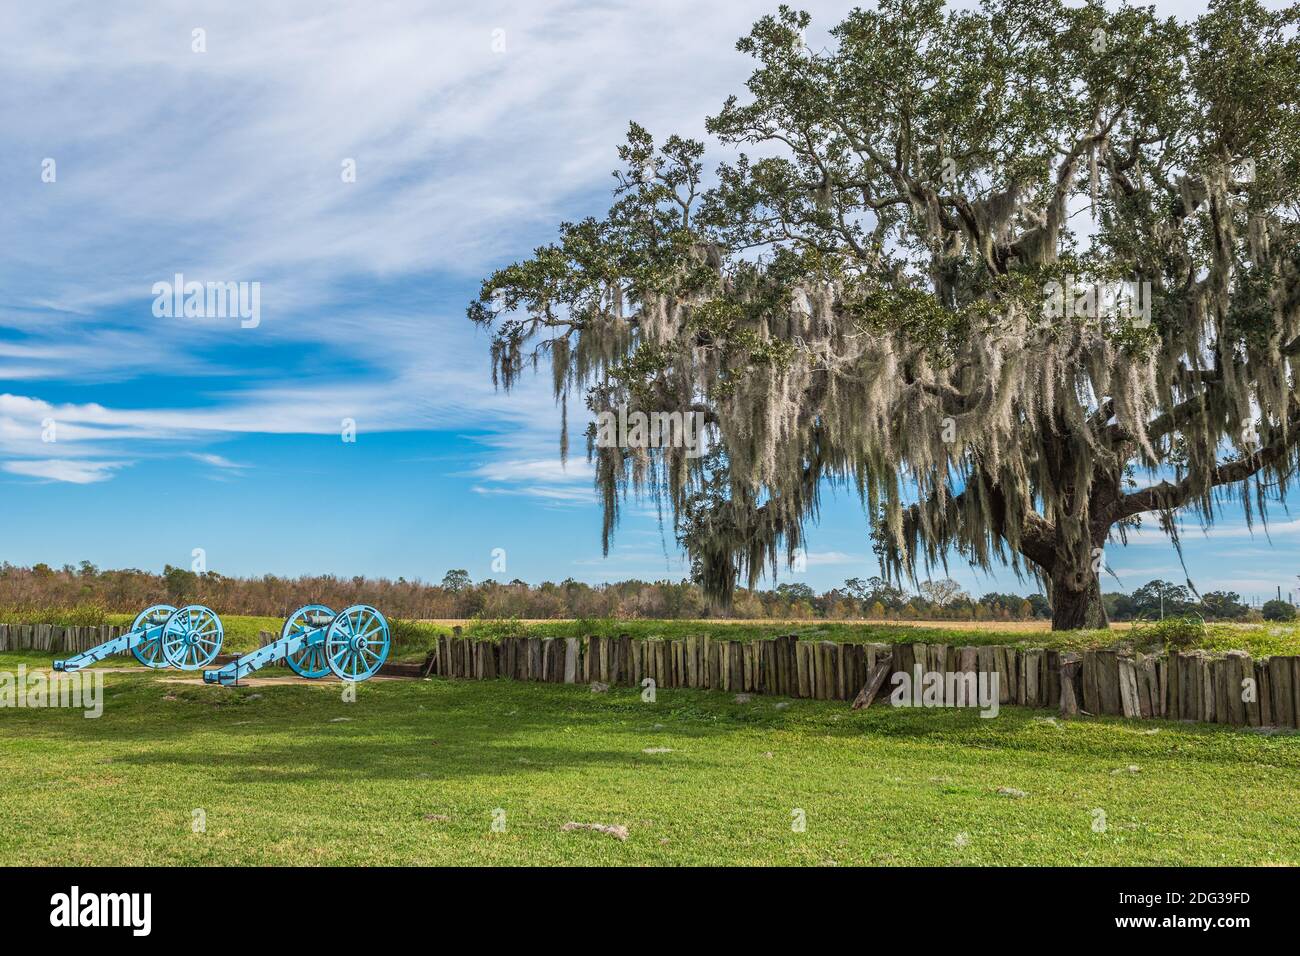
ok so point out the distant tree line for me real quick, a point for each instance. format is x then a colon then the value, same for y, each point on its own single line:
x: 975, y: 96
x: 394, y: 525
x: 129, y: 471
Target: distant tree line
x: 1157, y: 599
x: 458, y: 596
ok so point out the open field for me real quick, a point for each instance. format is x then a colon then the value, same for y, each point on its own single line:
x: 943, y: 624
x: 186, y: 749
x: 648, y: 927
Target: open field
x: 412, y: 639
x: 413, y: 770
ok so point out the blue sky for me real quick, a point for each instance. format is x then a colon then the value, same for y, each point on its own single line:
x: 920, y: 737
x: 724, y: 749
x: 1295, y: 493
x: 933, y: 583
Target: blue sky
x: 473, y: 133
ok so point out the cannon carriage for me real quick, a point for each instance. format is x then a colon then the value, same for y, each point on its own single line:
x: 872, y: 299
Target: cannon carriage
x: 315, y: 642
x: 186, y: 638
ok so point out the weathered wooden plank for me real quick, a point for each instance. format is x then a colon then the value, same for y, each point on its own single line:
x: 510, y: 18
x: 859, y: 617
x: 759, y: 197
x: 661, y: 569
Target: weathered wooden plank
x: 902, y: 658
x: 1239, y: 667
x: 825, y: 670
x: 1164, y: 702
x: 1219, y: 678
x: 1126, y: 675
x: 1107, y: 675
x: 1002, y: 667
x: 1295, y: 691
x: 1028, y: 692
x: 984, y: 659
x: 1209, y: 695
x: 571, y: 660
x: 1149, y: 685
x: 553, y: 660
x: 1262, y: 681
x: 803, y: 662
x: 1280, y: 679
x: 736, y: 659
x: 534, y: 658
x: 968, y: 661
x: 872, y: 687
x: 1070, y: 677
x: 1050, y: 696
x: 831, y: 651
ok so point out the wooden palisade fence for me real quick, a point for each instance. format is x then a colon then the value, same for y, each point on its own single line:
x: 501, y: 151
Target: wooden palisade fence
x: 53, y: 637
x: 1182, y: 686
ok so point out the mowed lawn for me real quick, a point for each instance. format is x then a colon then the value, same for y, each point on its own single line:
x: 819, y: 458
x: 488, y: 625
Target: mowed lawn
x: 414, y: 772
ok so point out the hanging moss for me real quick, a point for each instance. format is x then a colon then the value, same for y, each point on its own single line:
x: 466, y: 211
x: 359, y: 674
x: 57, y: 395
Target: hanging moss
x: 855, y: 312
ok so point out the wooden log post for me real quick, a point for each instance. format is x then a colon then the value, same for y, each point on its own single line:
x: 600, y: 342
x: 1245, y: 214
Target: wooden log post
x: 1238, y: 667
x: 1295, y: 691
x: 1280, y: 683
x: 736, y: 663
x: 1028, y: 691
x: 1001, y: 666
x: 571, y: 657
x: 804, y: 674
x: 1126, y: 679
x: 1262, y: 690
x: 875, y: 681
x: 1070, y: 677
x: 1208, y: 695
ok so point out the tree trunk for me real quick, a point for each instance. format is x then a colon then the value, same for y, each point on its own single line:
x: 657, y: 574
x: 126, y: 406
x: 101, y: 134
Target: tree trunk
x: 1076, y: 602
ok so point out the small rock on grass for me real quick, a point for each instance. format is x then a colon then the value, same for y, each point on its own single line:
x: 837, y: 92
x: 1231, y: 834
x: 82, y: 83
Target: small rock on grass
x: 742, y: 698
x: 598, y: 688
x: 253, y: 697
x: 961, y: 840
x: 617, y: 831
x: 339, y: 720
x: 1131, y: 768
x: 782, y: 705
x: 657, y: 750
x: 1011, y: 792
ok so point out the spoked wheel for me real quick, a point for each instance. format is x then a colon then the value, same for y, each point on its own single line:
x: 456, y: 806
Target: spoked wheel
x: 149, y: 651
x: 356, y: 644
x: 191, y: 637
x: 308, y: 660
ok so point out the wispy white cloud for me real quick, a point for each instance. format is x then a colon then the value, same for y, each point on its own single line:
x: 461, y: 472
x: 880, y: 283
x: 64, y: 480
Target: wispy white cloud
x: 74, y: 471
x: 217, y: 461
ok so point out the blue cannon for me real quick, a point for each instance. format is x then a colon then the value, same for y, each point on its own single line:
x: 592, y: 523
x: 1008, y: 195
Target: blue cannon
x: 316, y: 642
x: 162, y: 636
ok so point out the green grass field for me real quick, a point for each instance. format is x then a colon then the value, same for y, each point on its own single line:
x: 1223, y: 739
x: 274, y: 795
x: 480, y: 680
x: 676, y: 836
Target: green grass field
x: 412, y: 771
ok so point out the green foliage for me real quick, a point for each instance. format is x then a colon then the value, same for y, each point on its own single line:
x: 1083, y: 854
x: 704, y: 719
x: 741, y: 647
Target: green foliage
x: 493, y: 629
x: 862, y: 300
x: 82, y: 615
x: 1174, y: 633
x: 1276, y: 610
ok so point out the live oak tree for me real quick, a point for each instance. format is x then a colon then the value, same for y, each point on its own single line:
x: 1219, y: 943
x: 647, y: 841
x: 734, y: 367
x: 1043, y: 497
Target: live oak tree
x: 904, y: 289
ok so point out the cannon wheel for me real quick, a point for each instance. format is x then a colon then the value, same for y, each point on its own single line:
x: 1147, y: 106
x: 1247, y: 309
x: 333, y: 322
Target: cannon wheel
x: 356, y: 645
x: 306, y: 661
x: 149, y: 653
x: 191, y: 637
